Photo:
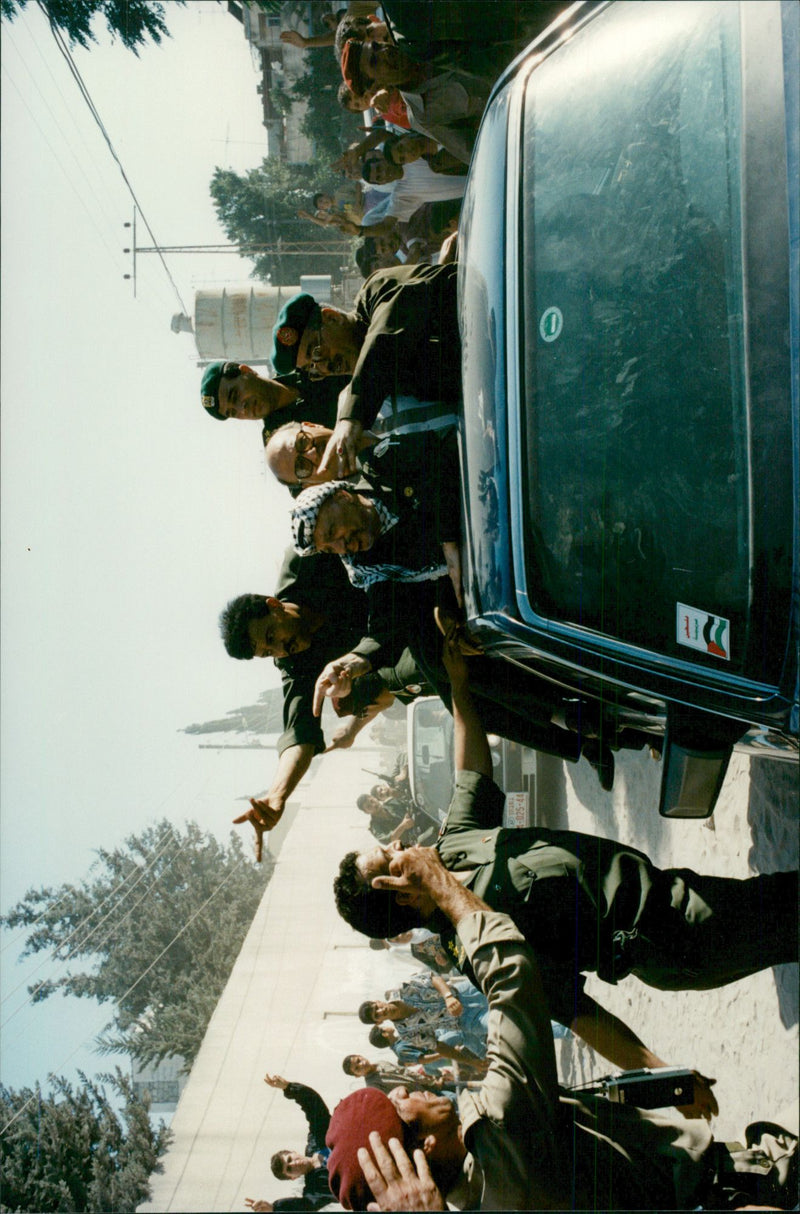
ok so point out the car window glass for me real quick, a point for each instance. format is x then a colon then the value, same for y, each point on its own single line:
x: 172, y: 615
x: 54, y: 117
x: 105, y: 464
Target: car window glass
x: 634, y: 432
x: 481, y: 290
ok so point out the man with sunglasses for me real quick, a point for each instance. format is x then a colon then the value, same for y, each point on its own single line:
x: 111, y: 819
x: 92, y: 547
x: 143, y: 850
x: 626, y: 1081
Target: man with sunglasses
x: 294, y: 451
x: 401, y: 340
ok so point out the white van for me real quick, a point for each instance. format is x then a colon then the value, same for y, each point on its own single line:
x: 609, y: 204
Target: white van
x: 431, y: 771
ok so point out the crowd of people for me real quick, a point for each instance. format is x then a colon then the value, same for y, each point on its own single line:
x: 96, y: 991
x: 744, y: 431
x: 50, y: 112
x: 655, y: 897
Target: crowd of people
x: 425, y: 87
x: 360, y: 424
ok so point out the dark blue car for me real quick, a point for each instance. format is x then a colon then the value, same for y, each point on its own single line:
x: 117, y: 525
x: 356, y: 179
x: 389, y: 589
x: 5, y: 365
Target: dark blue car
x: 629, y: 312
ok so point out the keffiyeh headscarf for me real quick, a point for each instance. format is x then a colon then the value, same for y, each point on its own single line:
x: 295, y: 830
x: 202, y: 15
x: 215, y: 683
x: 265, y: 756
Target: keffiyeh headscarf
x: 306, y: 512
x: 362, y: 573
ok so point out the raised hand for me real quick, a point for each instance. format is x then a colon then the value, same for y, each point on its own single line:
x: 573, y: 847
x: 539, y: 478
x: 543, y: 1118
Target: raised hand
x: 397, y: 1182
x: 704, y: 1103
x: 336, y: 679
x: 263, y: 815
x: 342, y: 449
x: 413, y: 870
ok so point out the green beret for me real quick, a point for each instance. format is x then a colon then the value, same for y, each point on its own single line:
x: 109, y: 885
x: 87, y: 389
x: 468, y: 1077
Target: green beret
x: 209, y: 389
x: 288, y: 331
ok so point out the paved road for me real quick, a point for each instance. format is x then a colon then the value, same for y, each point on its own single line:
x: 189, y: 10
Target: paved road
x: 744, y: 1034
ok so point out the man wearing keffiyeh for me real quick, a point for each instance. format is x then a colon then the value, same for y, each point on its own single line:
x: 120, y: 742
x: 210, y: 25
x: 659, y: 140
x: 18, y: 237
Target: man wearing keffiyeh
x: 404, y: 528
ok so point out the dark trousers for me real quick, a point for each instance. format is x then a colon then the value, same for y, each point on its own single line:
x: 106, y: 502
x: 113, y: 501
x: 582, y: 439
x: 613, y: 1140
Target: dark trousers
x: 697, y: 932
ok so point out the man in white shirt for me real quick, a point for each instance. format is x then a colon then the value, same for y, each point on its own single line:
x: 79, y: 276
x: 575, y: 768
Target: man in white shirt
x: 414, y: 184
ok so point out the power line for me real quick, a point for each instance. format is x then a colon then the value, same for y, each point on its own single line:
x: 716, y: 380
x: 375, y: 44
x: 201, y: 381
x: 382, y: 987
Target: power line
x: 80, y: 946
x: 65, y: 51
x: 291, y: 248
x: 112, y: 252
x: 133, y: 985
x: 66, y: 141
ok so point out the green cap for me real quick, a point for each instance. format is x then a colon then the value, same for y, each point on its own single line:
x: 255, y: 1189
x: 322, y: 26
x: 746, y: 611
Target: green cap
x: 209, y: 388
x: 289, y: 329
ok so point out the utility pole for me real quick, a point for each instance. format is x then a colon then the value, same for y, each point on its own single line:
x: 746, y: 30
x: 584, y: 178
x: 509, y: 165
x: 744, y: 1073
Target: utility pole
x: 132, y: 250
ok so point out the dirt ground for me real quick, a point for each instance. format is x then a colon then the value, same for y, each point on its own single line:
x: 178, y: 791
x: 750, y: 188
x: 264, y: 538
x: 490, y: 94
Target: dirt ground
x: 745, y: 1034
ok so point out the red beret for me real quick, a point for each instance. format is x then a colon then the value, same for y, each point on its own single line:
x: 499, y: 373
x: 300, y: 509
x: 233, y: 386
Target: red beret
x: 351, y: 66
x: 354, y: 1118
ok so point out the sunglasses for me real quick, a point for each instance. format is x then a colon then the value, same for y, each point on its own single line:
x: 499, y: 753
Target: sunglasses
x: 303, y: 467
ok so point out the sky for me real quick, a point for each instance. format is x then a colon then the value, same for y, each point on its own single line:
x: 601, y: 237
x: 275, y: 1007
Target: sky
x: 129, y: 518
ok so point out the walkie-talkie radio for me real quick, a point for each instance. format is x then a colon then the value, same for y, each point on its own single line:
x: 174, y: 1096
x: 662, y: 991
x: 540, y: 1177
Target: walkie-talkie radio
x: 645, y: 1089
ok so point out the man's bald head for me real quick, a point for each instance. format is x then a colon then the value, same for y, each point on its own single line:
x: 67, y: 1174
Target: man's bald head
x: 293, y: 453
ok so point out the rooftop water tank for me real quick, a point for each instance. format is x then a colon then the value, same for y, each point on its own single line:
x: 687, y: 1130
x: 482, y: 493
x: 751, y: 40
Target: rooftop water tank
x: 236, y: 322
x: 318, y: 285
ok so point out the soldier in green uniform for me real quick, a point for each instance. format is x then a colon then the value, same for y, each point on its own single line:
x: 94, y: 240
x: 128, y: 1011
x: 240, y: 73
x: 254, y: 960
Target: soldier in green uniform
x: 585, y: 904
x: 401, y: 339
x: 518, y: 1142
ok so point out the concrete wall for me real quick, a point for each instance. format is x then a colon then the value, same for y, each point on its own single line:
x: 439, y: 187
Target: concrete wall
x: 289, y: 1007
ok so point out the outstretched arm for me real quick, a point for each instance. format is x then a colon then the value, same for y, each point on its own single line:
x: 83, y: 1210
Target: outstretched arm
x: 401, y: 828
x: 460, y: 1053
x: 317, y: 1113
x: 306, y: 41
x: 266, y: 813
x: 471, y: 746
x: 611, y: 1037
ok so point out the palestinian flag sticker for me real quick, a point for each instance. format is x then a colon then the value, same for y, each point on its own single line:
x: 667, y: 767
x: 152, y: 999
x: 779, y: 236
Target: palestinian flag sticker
x: 701, y: 630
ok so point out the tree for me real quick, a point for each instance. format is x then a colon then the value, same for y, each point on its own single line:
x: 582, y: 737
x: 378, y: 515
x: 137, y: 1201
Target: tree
x: 329, y: 127
x: 69, y: 1150
x: 264, y: 717
x: 260, y: 207
x: 132, y: 21
x: 163, y: 920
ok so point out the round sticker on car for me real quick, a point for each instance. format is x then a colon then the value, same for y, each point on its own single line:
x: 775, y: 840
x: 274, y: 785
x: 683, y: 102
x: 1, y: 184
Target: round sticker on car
x: 551, y: 323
